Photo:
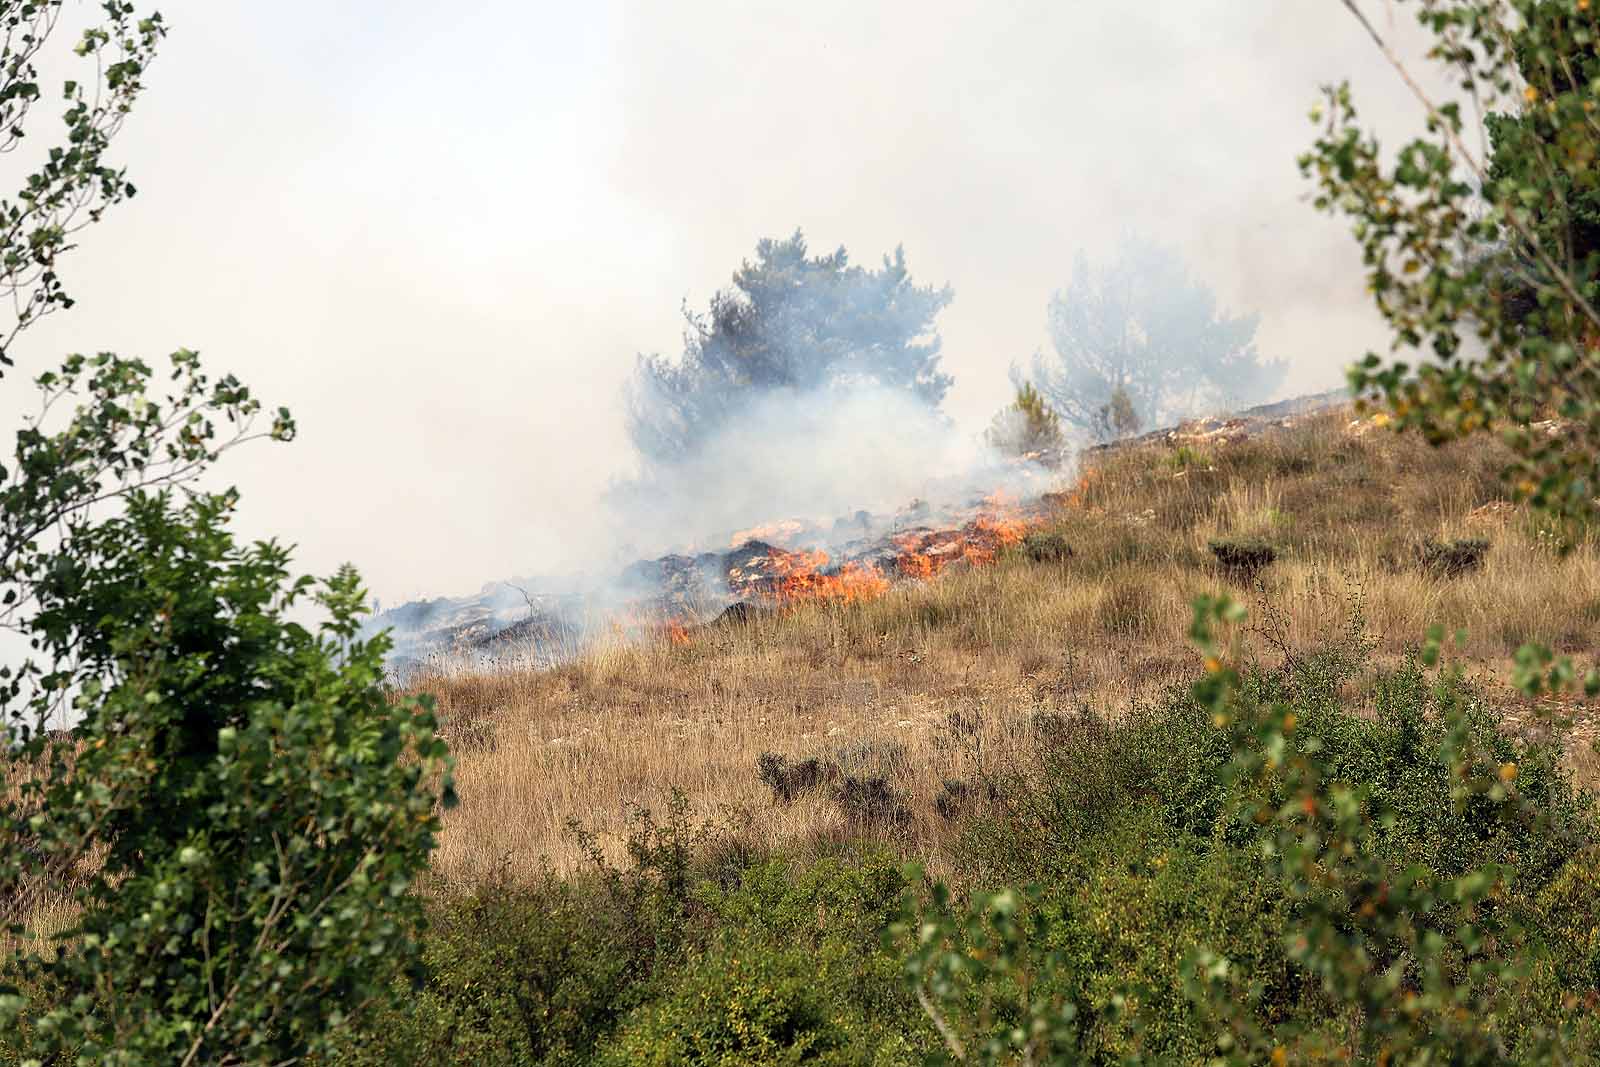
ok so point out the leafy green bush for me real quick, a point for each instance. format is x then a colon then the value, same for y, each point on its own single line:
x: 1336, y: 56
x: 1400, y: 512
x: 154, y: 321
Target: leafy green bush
x: 234, y: 821
x: 256, y: 807
x: 775, y: 962
x: 1567, y: 908
x: 540, y: 974
x: 1194, y: 897
x: 1416, y: 961
x: 509, y: 975
x: 740, y: 1004
x: 792, y: 974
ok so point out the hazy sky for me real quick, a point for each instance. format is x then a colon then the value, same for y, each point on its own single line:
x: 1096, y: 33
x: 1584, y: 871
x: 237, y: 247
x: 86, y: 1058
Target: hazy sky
x: 440, y: 233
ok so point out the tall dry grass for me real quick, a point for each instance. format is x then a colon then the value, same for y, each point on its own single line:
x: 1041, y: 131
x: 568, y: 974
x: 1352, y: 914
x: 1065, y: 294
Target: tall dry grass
x: 946, y: 681
x: 43, y: 905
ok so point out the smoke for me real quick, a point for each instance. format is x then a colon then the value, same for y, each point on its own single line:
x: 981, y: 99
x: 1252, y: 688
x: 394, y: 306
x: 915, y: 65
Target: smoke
x: 804, y: 413
x: 1145, y: 330
x: 816, y: 455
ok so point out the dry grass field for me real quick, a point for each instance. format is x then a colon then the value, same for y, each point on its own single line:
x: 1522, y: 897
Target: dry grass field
x: 947, y: 681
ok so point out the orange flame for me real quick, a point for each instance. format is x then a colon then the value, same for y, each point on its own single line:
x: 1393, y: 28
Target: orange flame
x: 925, y: 553
x: 803, y: 576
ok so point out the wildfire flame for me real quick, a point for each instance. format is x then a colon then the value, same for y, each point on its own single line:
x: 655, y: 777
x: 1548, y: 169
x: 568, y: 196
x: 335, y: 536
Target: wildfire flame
x: 780, y: 576
x: 924, y: 553
x: 849, y: 584
x: 784, y: 576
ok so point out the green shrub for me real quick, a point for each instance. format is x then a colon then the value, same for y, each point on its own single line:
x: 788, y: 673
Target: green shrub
x: 830, y: 899
x: 257, y: 806
x: 1415, y: 962
x: 741, y: 1004
x: 509, y: 975
x: 1134, y: 906
x: 1086, y: 966
x: 236, y: 821
x: 1173, y: 905
x: 1568, y: 916
x: 1089, y: 768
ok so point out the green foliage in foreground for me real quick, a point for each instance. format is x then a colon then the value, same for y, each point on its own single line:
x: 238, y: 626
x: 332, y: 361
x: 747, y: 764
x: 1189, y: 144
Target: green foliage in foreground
x: 231, y: 828
x: 1297, y: 881
x: 1479, y: 236
x: 253, y: 806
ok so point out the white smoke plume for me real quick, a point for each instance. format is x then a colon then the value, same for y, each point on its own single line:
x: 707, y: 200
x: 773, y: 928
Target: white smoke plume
x: 819, y: 455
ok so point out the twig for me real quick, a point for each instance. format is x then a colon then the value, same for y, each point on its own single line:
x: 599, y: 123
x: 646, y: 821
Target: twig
x: 950, y: 1039
x: 1563, y: 279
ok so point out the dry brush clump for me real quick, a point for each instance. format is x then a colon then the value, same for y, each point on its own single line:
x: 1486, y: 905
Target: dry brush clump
x: 625, y: 724
x: 43, y: 904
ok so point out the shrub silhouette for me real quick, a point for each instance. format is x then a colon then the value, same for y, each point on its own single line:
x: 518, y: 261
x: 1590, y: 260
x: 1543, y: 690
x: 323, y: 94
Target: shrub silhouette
x: 1451, y: 559
x: 1243, y: 557
x: 871, y: 801
x: 1046, y: 547
x: 789, y: 780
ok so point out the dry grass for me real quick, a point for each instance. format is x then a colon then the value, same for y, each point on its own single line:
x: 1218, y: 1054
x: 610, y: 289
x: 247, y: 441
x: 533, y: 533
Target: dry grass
x: 45, y: 905
x: 948, y: 678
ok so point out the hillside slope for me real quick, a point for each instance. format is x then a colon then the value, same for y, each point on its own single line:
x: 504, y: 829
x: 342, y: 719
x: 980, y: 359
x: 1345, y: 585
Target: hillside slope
x: 931, y: 687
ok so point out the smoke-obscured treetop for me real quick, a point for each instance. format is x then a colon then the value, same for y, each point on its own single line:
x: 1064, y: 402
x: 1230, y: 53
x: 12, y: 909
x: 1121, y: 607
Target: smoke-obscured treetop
x: 1144, y: 326
x: 790, y: 322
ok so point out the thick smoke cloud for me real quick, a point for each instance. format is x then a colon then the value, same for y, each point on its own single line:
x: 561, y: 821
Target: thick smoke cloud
x: 819, y: 454
x: 447, y: 276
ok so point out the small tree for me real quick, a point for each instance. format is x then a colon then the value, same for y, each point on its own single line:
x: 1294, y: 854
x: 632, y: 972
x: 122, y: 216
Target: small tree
x: 241, y: 789
x: 1027, y: 425
x: 1117, y: 418
x: 1144, y: 328
x: 1480, y: 244
x: 790, y: 321
x: 238, y: 809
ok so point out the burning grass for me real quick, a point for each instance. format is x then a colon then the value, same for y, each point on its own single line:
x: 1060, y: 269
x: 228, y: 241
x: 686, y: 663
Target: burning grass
x: 958, y: 674
x: 778, y: 576
x: 807, y: 576
x: 999, y: 525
